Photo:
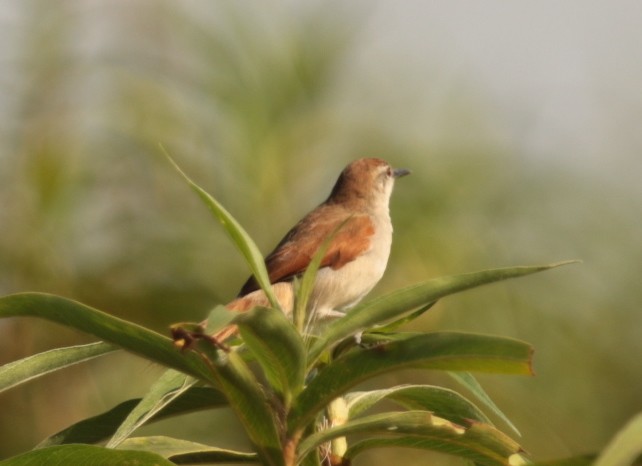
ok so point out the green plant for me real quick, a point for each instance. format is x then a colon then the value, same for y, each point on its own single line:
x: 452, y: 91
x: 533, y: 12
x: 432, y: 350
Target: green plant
x: 291, y: 392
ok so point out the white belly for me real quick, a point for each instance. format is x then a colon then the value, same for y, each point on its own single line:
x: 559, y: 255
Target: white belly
x: 338, y: 290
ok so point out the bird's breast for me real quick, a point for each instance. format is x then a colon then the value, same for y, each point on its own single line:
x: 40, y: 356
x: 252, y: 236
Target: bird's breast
x: 341, y: 288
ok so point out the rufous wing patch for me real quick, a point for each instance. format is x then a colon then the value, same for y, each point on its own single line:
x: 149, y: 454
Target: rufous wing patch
x: 351, y: 237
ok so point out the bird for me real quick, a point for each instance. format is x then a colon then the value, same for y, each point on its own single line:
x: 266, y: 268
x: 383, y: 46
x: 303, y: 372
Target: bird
x: 355, y: 220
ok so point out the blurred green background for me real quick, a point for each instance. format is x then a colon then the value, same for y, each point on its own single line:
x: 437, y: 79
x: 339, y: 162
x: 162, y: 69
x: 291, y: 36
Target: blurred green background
x: 520, y: 123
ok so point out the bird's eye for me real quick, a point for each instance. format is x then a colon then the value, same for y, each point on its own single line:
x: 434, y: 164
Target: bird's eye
x: 389, y: 172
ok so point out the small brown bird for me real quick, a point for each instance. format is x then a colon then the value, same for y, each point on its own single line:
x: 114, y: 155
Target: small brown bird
x: 356, y: 216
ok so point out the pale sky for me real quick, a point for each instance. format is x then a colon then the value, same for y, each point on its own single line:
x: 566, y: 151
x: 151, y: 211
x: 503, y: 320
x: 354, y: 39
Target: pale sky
x: 565, y: 79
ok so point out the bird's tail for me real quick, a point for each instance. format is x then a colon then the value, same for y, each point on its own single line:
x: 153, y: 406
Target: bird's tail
x: 284, y: 293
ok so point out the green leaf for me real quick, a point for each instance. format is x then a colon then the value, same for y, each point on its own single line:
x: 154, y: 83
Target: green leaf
x: 480, y: 443
x: 235, y: 231
x: 582, y: 460
x: 166, y: 389
x: 625, y: 447
x: 306, y: 284
x: 442, y: 402
x: 100, y: 427
x: 185, y: 452
x: 394, y: 325
x: 127, y: 335
x: 471, y: 383
x: 218, y: 318
x: 394, y: 305
x: 439, y: 350
x: 277, y: 346
x: 17, y: 372
x: 87, y: 455
x: 227, y: 372
x: 248, y: 401
x: 310, y: 460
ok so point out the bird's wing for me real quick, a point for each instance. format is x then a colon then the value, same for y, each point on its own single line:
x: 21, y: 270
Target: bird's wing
x: 350, y: 237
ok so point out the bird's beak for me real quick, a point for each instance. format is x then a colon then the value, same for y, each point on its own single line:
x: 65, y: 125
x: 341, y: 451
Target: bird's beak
x: 399, y: 172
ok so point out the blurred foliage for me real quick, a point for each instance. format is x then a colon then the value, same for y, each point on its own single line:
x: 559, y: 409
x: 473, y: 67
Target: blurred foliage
x: 266, y: 105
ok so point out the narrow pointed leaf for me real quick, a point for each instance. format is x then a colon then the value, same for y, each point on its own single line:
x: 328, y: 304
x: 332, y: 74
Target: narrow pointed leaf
x: 306, y: 284
x: 213, y: 456
x: 277, y: 346
x: 311, y: 459
x: 228, y: 373
x: 248, y: 401
x: 87, y: 455
x: 185, y: 452
x: 98, y: 428
x: 394, y: 325
x: 439, y: 350
x: 470, y: 382
x: 466, y: 449
x: 581, y: 460
x: 478, y: 442
x: 396, y: 304
x: 167, y: 388
x: 17, y: 372
x: 442, y: 402
x: 235, y: 231
x: 127, y: 335
x: 218, y: 318
x: 625, y: 447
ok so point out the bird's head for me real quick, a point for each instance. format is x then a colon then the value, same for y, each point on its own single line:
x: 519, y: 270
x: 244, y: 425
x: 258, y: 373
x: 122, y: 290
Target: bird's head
x: 366, y: 181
